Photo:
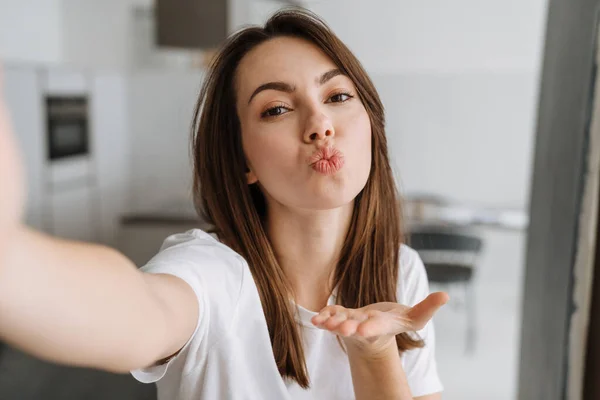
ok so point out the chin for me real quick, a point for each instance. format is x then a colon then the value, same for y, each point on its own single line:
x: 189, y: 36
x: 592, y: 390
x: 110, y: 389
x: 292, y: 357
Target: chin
x: 331, y: 200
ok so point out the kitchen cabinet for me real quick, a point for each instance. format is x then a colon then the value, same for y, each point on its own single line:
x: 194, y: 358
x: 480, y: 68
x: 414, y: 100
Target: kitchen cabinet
x: 23, y: 96
x: 200, y: 24
x: 73, y: 213
x: 112, y: 151
x: 77, y: 197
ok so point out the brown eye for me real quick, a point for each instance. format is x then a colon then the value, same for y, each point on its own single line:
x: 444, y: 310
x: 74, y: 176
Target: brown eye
x: 274, y: 112
x: 340, y: 98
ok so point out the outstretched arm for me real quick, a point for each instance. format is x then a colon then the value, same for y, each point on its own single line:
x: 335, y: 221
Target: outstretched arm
x: 79, y: 303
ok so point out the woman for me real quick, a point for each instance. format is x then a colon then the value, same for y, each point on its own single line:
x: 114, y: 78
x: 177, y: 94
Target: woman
x: 303, y: 291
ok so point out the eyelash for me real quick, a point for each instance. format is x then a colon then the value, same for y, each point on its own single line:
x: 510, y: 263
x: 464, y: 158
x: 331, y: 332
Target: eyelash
x: 265, y: 114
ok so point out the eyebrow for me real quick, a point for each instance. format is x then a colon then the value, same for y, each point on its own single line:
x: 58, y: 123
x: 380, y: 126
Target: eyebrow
x: 287, y: 88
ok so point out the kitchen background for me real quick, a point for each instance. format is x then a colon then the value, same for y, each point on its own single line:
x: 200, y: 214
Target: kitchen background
x: 103, y: 111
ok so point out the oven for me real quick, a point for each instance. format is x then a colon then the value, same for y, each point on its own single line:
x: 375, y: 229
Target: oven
x: 68, y: 127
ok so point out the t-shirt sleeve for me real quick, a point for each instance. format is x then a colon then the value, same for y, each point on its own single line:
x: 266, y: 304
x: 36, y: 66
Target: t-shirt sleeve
x: 174, y: 259
x: 419, y: 364
x: 181, y: 270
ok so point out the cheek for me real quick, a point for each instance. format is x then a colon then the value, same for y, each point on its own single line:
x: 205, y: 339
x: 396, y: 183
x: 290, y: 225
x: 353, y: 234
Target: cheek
x: 359, y: 148
x: 358, y: 127
x: 365, y: 132
x: 270, y: 150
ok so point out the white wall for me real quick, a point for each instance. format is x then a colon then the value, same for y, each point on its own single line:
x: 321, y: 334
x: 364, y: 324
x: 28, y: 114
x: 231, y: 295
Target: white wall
x: 439, y: 35
x: 30, y: 31
x: 91, y: 34
x: 392, y: 36
x: 160, y: 110
x: 88, y: 34
x: 97, y: 34
x: 465, y: 136
x: 115, y: 35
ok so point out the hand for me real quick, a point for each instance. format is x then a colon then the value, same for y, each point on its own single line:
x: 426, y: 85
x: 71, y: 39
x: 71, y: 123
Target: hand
x: 11, y: 177
x: 373, y: 328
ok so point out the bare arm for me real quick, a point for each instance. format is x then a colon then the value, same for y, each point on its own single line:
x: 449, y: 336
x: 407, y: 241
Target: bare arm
x: 88, y: 305
x: 381, y: 376
x: 78, y: 303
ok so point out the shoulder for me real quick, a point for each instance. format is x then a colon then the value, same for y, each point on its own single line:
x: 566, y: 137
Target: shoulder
x: 194, y: 241
x: 413, y: 285
x: 207, y: 265
x: 216, y: 274
x: 195, y: 247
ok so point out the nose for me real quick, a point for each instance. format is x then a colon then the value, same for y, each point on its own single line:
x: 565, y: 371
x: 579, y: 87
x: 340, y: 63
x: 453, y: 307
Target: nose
x: 318, y: 128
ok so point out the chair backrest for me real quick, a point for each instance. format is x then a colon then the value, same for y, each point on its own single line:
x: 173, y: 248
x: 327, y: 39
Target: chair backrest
x: 443, y: 247
x: 444, y: 241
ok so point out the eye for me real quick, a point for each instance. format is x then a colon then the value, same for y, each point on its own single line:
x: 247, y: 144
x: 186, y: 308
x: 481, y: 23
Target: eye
x: 274, y: 111
x: 340, y: 98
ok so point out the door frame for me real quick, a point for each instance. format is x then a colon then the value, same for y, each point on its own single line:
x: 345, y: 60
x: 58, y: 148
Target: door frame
x: 557, y: 288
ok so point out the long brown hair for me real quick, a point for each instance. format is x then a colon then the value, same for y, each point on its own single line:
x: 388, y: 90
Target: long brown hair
x: 367, y: 271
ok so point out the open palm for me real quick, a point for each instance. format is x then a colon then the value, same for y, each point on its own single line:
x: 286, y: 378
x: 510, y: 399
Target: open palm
x: 378, y: 321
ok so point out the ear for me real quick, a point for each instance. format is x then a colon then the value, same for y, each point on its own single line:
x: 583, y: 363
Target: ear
x: 250, y: 177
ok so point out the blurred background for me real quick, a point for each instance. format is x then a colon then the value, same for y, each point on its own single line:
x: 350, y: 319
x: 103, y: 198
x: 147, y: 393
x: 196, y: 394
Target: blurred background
x: 101, y: 95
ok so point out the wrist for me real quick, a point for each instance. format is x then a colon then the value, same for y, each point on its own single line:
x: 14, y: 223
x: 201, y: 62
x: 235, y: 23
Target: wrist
x: 377, y: 371
x: 380, y: 349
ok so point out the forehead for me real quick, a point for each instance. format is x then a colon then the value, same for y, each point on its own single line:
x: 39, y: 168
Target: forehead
x: 285, y: 59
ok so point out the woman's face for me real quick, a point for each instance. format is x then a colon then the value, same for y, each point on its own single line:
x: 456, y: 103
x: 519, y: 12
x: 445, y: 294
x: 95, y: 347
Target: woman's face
x: 305, y: 133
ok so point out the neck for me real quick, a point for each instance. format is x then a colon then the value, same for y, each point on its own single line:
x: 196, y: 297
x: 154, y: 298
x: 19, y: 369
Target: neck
x: 307, y: 245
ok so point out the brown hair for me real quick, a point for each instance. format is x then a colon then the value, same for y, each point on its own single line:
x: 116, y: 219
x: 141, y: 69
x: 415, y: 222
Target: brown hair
x: 367, y: 271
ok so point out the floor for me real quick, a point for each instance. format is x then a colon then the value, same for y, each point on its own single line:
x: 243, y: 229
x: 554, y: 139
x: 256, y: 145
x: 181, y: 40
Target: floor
x: 490, y: 372
x: 25, y: 378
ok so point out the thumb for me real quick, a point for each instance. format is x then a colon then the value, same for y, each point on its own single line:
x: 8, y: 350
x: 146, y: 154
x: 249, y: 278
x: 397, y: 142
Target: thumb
x: 422, y: 312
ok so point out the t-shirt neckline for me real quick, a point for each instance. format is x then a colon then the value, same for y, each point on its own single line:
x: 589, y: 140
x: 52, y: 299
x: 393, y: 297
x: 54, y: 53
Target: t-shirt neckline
x: 304, y: 316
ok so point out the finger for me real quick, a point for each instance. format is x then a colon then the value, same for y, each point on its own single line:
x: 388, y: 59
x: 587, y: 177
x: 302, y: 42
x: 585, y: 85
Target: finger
x: 348, y: 328
x: 353, y: 320
x: 326, y: 313
x: 321, y: 317
x: 335, y: 320
x: 421, y: 313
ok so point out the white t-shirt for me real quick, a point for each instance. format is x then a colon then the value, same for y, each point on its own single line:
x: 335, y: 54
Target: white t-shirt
x: 229, y: 356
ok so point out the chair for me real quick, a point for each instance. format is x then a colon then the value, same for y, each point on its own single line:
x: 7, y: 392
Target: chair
x: 449, y: 257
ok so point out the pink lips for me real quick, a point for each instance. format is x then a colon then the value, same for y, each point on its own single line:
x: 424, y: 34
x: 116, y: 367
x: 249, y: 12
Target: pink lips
x: 327, y: 160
